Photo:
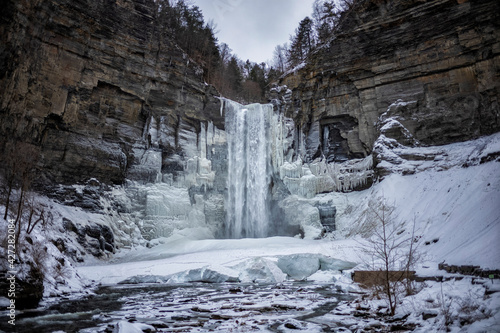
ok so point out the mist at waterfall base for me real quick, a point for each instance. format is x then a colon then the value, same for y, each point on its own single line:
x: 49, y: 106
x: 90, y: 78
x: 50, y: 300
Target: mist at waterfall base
x: 248, y: 204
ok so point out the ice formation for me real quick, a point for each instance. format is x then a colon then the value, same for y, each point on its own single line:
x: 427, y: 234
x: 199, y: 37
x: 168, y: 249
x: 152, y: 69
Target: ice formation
x: 307, y: 180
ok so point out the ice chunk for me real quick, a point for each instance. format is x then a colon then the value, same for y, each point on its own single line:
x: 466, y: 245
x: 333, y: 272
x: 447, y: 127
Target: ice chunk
x: 291, y: 170
x: 301, y: 213
x: 260, y: 270
x: 209, y: 274
x: 139, y: 279
x: 332, y: 264
x: 301, y: 266
x: 323, y: 276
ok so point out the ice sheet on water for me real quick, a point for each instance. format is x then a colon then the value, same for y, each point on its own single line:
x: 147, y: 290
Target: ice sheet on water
x: 252, y: 270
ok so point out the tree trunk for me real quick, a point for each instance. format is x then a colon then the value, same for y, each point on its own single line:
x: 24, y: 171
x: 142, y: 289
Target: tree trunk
x: 7, y: 202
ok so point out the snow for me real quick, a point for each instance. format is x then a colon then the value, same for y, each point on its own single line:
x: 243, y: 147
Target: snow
x: 181, y: 259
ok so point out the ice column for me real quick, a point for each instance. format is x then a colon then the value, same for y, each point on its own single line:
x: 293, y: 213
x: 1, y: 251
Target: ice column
x: 249, y: 166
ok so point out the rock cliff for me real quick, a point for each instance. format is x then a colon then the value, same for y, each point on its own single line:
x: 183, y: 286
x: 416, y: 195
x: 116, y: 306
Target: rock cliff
x: 109, y: 102
x: 433, y: 64
x: 96, y: 89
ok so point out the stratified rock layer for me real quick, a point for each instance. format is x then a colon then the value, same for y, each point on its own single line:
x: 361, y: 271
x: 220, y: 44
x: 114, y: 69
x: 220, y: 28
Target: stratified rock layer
x: 441, y: 58
x: 94, y: 86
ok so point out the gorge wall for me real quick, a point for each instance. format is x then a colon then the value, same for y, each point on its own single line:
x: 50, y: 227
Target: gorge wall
x: 94, y: 86
x: 107, y: 100
x: 440, y: 59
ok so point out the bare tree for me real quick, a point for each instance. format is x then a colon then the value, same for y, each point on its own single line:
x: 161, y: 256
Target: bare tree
x: 392, y: 250
x: 37, y: 213
x: 18, y: 165
x: 280, y: 57
x: 18, y: 169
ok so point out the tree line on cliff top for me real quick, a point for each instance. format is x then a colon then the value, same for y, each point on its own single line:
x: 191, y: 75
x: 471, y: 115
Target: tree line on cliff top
x: 244, y: 81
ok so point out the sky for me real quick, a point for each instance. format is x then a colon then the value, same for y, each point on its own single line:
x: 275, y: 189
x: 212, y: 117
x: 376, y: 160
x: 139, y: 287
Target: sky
x: 253, y: 28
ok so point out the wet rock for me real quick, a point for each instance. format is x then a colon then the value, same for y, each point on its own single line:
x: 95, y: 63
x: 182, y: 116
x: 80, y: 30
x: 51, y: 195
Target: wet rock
x: 28, y: 290
x: 428, y: 314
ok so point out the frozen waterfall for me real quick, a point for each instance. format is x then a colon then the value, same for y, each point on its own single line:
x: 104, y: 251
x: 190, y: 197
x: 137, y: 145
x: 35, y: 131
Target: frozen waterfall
x: 249, y: 168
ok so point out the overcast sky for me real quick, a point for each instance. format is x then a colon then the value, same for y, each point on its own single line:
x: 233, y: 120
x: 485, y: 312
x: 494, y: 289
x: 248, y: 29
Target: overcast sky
x: 253, y: 28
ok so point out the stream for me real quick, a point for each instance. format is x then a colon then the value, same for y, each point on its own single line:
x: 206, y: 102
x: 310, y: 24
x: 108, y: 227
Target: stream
x: 193, y: 307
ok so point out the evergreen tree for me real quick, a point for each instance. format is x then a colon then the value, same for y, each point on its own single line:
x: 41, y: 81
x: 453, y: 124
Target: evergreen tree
x: 234, y: 78
x: 184, y: 25
x: 302, y: 43
x: 325, y: 16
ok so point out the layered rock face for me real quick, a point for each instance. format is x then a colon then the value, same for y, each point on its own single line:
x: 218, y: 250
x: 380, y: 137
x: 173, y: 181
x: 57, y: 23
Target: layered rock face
x: 107, y: 101
x: 439, y: 60
x: 96, y: 88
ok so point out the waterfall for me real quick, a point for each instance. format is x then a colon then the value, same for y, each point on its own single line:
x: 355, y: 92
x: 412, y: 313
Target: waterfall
x: 249, y: 167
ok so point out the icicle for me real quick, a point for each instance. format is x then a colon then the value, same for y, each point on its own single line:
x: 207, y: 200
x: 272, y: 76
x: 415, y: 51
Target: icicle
x: 221, y: 106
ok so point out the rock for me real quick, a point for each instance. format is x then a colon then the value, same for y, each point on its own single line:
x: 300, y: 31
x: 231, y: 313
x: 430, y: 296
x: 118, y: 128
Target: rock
x: 428, y: 314
x: 68, y: 225
x: 386, y: 51
x: 28, y: 290
x: 95, y: 106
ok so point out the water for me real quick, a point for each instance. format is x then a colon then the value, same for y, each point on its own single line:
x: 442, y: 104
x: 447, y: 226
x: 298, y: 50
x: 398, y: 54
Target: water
x: 249, y: 169
x: 192, y: 307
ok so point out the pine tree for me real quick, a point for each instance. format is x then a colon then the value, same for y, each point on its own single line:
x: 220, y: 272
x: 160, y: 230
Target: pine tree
x: 234, y: 78
x: 302, y: 43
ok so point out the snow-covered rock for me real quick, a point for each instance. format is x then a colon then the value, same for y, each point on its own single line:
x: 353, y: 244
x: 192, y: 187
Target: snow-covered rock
x: 260, y: 270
